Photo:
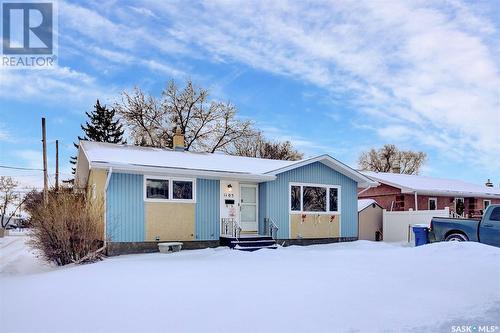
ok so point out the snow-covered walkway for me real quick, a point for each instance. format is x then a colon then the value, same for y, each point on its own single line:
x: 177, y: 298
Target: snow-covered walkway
x: 348, y: 287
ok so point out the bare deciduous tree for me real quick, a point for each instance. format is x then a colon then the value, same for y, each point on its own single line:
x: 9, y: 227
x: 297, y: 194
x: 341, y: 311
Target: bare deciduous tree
x: 207, y: 125
x: 258, y: 146
x: 8, y: 197
x: 390, y: 159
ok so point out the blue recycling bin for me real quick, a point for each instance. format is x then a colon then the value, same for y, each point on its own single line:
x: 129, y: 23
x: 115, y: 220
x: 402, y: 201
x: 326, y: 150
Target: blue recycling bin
x: 421, y: 232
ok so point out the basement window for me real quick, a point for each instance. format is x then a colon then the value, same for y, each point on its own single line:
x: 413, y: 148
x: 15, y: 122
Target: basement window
x: 313, y: 198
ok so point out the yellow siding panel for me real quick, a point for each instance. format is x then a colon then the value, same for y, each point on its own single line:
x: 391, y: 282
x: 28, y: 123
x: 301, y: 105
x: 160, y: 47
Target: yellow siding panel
x: 314, y: 226
x: 95, y: 189
x: 95, y: 185
x: 170, y: 221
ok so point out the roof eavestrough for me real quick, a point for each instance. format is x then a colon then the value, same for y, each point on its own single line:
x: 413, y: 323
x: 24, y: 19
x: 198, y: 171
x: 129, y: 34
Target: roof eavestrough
x: 425, y: 185
x: 209, y: 174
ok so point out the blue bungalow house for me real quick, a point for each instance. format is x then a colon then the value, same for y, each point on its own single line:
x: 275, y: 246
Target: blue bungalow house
x: 153, y: 195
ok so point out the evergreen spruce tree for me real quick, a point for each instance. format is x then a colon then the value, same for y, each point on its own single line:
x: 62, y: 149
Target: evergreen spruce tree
x: 101, y: 127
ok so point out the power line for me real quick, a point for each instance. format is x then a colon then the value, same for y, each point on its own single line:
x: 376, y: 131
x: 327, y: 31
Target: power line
x: 18, y: 168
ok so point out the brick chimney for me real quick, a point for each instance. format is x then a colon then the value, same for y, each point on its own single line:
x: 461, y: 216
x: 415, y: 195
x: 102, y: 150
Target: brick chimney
x: 396, y: 168
x: 488, y: 183
x: 178, y: 141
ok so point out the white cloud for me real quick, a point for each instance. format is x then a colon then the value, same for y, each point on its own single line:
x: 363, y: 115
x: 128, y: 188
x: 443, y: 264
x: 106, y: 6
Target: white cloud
x: 5, y: 135
x: 416, y: 71
x: 430, y: 70
x: 52, y: 85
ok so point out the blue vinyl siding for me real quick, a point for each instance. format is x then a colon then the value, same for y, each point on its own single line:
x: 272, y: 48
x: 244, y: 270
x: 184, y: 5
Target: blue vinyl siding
x: 277, y: 195
x: 125, y: 208
x: 207, y: 214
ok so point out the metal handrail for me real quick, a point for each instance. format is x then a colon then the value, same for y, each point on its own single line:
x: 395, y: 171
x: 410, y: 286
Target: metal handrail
x: 230, y: 227
x: 271, y: 227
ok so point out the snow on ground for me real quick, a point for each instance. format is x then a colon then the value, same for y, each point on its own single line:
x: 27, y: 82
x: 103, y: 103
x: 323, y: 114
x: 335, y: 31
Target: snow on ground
x: 17, y: 258
x: 349, y: 287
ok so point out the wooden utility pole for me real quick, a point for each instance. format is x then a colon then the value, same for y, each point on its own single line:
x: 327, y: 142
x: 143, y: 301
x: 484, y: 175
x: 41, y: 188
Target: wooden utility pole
x: 45, y: 175
x: 57, y: 166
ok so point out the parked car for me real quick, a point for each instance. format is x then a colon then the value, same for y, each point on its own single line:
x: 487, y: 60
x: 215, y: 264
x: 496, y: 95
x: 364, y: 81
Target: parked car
x: 486, y: 230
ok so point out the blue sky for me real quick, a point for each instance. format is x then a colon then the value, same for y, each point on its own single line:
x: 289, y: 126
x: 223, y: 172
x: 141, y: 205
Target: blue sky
x: 332, y: 77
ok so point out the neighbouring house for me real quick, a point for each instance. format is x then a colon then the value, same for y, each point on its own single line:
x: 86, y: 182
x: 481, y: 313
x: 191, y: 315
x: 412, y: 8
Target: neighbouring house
x: 399, y: 192
x: 369, y: 220
x: 153, y: 195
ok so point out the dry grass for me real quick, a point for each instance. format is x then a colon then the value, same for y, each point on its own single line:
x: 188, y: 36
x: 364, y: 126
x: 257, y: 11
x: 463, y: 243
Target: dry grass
x: 69, y: 229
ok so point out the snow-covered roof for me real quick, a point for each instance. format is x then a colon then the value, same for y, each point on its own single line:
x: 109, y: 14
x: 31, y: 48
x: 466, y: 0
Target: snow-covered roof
x: 365, y: 203
x: 433, y: 186
x: 217, y: 165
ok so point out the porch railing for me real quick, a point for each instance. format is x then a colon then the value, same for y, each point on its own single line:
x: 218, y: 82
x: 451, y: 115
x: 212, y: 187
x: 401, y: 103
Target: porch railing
x: 456, y: 215
x: 229, y: 227
x: 270, y: 227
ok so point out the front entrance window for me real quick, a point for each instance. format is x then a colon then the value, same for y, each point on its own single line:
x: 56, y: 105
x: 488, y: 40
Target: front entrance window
x: 249, y: 207
x: 248, y: 204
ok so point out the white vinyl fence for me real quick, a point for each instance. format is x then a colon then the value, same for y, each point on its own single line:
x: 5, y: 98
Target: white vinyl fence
x: 397, y: 225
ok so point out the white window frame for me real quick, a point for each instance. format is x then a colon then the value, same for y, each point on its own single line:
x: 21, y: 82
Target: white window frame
x: 486, y: 200
x: 328, y: 187
x: 170, y: 189
x: 429, y: 203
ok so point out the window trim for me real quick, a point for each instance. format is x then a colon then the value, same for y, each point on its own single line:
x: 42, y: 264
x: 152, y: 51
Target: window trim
x: 429, y: 203
x: 328, y: 187
x: 456, y: 200
x: 170, y: 189
x: 489, y: 203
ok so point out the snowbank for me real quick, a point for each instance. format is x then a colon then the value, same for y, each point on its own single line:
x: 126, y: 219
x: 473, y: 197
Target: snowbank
x: 359, y: 286
x: 17, y: 258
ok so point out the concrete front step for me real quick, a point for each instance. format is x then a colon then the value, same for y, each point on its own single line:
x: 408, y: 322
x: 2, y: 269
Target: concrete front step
x: 254, y: 248
x: 249, y: 243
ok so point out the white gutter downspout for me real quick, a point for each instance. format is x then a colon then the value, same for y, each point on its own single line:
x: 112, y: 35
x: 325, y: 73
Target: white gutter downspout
x: 110, y: 172
x: 416, y: 201
x: 366, y: 189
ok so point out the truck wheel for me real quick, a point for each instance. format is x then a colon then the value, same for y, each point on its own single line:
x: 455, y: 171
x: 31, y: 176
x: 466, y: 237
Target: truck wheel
x: 456, y: 237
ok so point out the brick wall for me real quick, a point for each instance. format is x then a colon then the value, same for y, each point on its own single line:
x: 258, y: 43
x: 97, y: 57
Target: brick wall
x: 385, y: 195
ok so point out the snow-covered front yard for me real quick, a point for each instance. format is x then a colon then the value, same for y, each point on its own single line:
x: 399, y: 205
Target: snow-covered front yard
x: 348, y: 287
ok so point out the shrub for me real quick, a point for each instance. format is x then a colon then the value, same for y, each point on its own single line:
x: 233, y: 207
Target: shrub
x: 69, y: 229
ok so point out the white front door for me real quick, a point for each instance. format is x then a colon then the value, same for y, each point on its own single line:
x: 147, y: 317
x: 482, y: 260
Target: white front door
x: 249, y: 213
